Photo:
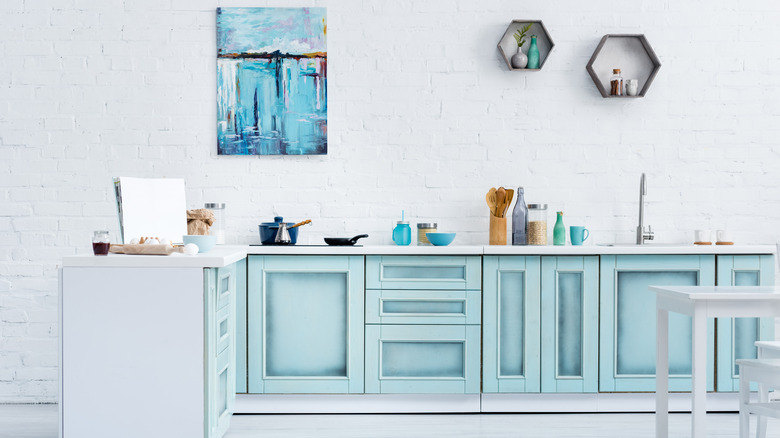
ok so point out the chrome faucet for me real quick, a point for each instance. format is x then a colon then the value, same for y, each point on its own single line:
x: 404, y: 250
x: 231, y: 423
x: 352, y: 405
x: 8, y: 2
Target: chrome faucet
x: 641, y: 234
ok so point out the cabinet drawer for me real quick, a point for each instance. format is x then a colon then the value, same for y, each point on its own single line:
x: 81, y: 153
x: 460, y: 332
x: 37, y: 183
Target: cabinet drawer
x: 226, y: 285
x: 222, y: 330
x: 422, y: 359
x: 423, y: 272
x: 422, y: 307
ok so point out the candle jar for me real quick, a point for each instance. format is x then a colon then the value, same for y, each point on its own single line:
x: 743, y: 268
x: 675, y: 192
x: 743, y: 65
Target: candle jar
x: 422, y: 228
x: 537, y: 224
x: 100, y: 243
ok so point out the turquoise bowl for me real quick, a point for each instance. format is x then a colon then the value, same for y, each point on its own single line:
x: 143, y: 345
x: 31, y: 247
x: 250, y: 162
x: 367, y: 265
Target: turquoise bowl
x: 440, y: 239
x: 205, y: 243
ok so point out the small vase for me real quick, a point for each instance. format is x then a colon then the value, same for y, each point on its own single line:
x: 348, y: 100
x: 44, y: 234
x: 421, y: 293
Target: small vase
x: 519, y: 60
x: 533, y: 54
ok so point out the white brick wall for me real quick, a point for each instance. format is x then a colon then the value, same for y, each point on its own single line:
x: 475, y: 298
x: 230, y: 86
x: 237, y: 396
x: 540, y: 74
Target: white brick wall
x: 424, y: 116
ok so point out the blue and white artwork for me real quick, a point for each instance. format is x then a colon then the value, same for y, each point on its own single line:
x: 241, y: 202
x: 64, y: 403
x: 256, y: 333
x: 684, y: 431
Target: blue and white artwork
x: 272, y: 81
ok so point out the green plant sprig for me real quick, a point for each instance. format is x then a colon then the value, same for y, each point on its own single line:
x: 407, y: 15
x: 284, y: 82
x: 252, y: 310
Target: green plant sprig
x: 520, y: 34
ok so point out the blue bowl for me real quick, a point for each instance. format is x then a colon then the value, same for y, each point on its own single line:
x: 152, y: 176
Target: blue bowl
x: 205, y: 243
x: 440, y: 239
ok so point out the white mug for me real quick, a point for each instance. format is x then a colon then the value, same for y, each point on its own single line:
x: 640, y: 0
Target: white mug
x: 724, y: 236
x: 632, y: 87
x: 702, y: 236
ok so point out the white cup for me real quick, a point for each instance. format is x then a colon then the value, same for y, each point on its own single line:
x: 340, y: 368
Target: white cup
x: 632, y: 87
x: 702, y: 236
x: 724, y: 236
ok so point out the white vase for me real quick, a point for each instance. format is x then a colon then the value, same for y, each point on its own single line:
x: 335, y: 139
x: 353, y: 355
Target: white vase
x: 519, y: 60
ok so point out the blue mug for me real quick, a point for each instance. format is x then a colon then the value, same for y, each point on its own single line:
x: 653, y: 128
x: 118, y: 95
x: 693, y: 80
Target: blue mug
x: 578, y: 234
x: 402, y: 234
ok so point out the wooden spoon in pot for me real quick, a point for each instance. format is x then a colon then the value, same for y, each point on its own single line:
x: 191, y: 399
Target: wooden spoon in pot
x: 490, y: 197
x: 500, y: 202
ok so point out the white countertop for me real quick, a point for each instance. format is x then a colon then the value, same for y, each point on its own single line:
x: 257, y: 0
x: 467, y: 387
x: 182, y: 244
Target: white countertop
x: 225, y: 255
x: 719, y: 292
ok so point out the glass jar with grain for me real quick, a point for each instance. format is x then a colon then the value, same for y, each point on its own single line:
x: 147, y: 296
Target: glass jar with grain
x: 537, y: 224
x: 422, y: 228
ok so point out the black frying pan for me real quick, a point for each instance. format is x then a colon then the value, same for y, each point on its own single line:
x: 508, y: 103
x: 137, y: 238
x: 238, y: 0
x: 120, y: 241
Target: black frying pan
x: 343, y: 241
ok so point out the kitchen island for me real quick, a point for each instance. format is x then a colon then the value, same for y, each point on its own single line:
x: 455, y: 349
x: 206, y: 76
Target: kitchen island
x: 387, y: 329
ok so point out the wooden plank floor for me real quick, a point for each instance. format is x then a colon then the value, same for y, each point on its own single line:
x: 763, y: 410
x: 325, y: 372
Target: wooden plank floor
x: 40, y: 421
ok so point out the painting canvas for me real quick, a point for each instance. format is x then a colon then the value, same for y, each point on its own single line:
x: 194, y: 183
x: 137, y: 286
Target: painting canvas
x: 272, y: 81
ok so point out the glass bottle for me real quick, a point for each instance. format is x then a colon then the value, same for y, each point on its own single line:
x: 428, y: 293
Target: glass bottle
x: 559, y: 231
x: 616, y: 83
x: 520, y: 220
x: 533, y: 54
x: 100, y: 243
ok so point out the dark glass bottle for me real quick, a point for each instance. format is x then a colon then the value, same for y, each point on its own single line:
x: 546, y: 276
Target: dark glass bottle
x: 520, y: 220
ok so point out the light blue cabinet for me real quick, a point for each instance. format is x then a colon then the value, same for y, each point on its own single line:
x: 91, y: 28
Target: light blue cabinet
x: 241, y: 341
x: 220, y: 292
x: 422, y: 324
x: 305, y: 324
x: 569, y: 321
x: 627, y: 336
x: 511, y: 324
x: 736, y: 336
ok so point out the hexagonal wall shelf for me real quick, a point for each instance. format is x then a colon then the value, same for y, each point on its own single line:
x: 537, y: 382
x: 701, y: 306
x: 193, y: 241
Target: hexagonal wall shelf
x: 634, y: 57
x: 508, y: 46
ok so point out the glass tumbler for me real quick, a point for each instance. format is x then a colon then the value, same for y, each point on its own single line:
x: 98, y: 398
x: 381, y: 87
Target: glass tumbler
x: 100, y: 243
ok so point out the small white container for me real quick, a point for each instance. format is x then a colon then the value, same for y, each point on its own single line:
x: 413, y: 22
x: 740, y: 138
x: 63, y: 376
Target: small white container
x: 217, y: 229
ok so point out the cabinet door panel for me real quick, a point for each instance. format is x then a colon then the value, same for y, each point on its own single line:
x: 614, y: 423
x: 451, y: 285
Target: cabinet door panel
x: 305, y: 324
x: 422, y: 359
x: 627, y: 320
x: 736, y: 336
x: 569, y: 324
x: 511, y: 324
x: 241, y: 285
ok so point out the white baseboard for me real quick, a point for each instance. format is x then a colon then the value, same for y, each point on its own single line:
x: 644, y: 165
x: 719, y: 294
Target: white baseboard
x: 471, y: 403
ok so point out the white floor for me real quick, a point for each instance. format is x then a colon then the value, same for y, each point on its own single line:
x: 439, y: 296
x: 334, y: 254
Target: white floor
x: 40, y: 421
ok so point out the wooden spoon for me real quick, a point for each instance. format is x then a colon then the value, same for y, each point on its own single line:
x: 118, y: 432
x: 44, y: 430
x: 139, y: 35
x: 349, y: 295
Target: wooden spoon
x: 510, y: 195
x: 490, y: 197
x: 500, y: 202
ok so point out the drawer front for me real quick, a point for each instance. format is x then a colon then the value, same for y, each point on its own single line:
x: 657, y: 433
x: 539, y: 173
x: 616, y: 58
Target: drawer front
x: 423, y: 272
x: 422, y: 307
x: 226, y: 285
x: 422, y: 359
x: 222, y: 330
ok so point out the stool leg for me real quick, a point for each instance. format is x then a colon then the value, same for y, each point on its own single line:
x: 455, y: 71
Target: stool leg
x: 763, y: 397
x: 744, y: 395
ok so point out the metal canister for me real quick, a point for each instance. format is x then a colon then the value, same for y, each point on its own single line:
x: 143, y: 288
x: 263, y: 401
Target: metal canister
x: 422, y: 228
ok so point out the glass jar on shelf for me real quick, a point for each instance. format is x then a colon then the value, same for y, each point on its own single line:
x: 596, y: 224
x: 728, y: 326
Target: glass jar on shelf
x: 218, y: 227
x: 616, y: 83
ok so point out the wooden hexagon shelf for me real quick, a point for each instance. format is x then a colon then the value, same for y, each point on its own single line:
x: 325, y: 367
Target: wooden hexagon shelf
x: 632, y: 54
x: 508, y: 46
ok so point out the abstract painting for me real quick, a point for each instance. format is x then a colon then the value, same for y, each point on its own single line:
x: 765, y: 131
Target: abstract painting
x: 272, y: 81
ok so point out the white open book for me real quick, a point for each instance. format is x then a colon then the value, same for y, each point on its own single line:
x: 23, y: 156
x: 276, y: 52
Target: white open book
x: 153, y: 207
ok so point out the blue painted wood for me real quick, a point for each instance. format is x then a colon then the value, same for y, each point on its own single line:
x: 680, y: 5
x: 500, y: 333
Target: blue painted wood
x: 423, y: 272
x: 423, y: 307
x: 305, y: 324
x: 241, y: 326
x: 569, y: 316
x: 220, y: 319
x: 627, y: 320
x: 511, y: 324
x: 736, y: 336
x: 422, y: 359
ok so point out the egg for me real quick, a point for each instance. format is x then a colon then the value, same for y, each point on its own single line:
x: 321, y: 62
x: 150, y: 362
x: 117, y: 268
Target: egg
x: 152, y: 242
x: 134, y: 241
x: 166, y: 242
x: 191, y: 249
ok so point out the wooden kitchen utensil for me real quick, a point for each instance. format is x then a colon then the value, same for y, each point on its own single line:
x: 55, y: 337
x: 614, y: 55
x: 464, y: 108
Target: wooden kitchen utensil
x: 510, y: 195
x: 490, y: 197
x: 307, y: 221
x: 497, y: 230
x: 500, y: 202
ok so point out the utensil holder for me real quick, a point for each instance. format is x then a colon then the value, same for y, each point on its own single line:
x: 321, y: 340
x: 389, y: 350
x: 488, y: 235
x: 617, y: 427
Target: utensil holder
x: 497, y: 230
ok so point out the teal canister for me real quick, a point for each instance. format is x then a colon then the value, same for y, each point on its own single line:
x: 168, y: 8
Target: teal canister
x: 533, y: 54
x: 402, y: 233
x: 559, y: 231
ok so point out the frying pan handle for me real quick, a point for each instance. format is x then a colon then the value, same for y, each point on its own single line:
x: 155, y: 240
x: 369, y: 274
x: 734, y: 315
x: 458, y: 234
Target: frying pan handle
x: 355, y: 239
